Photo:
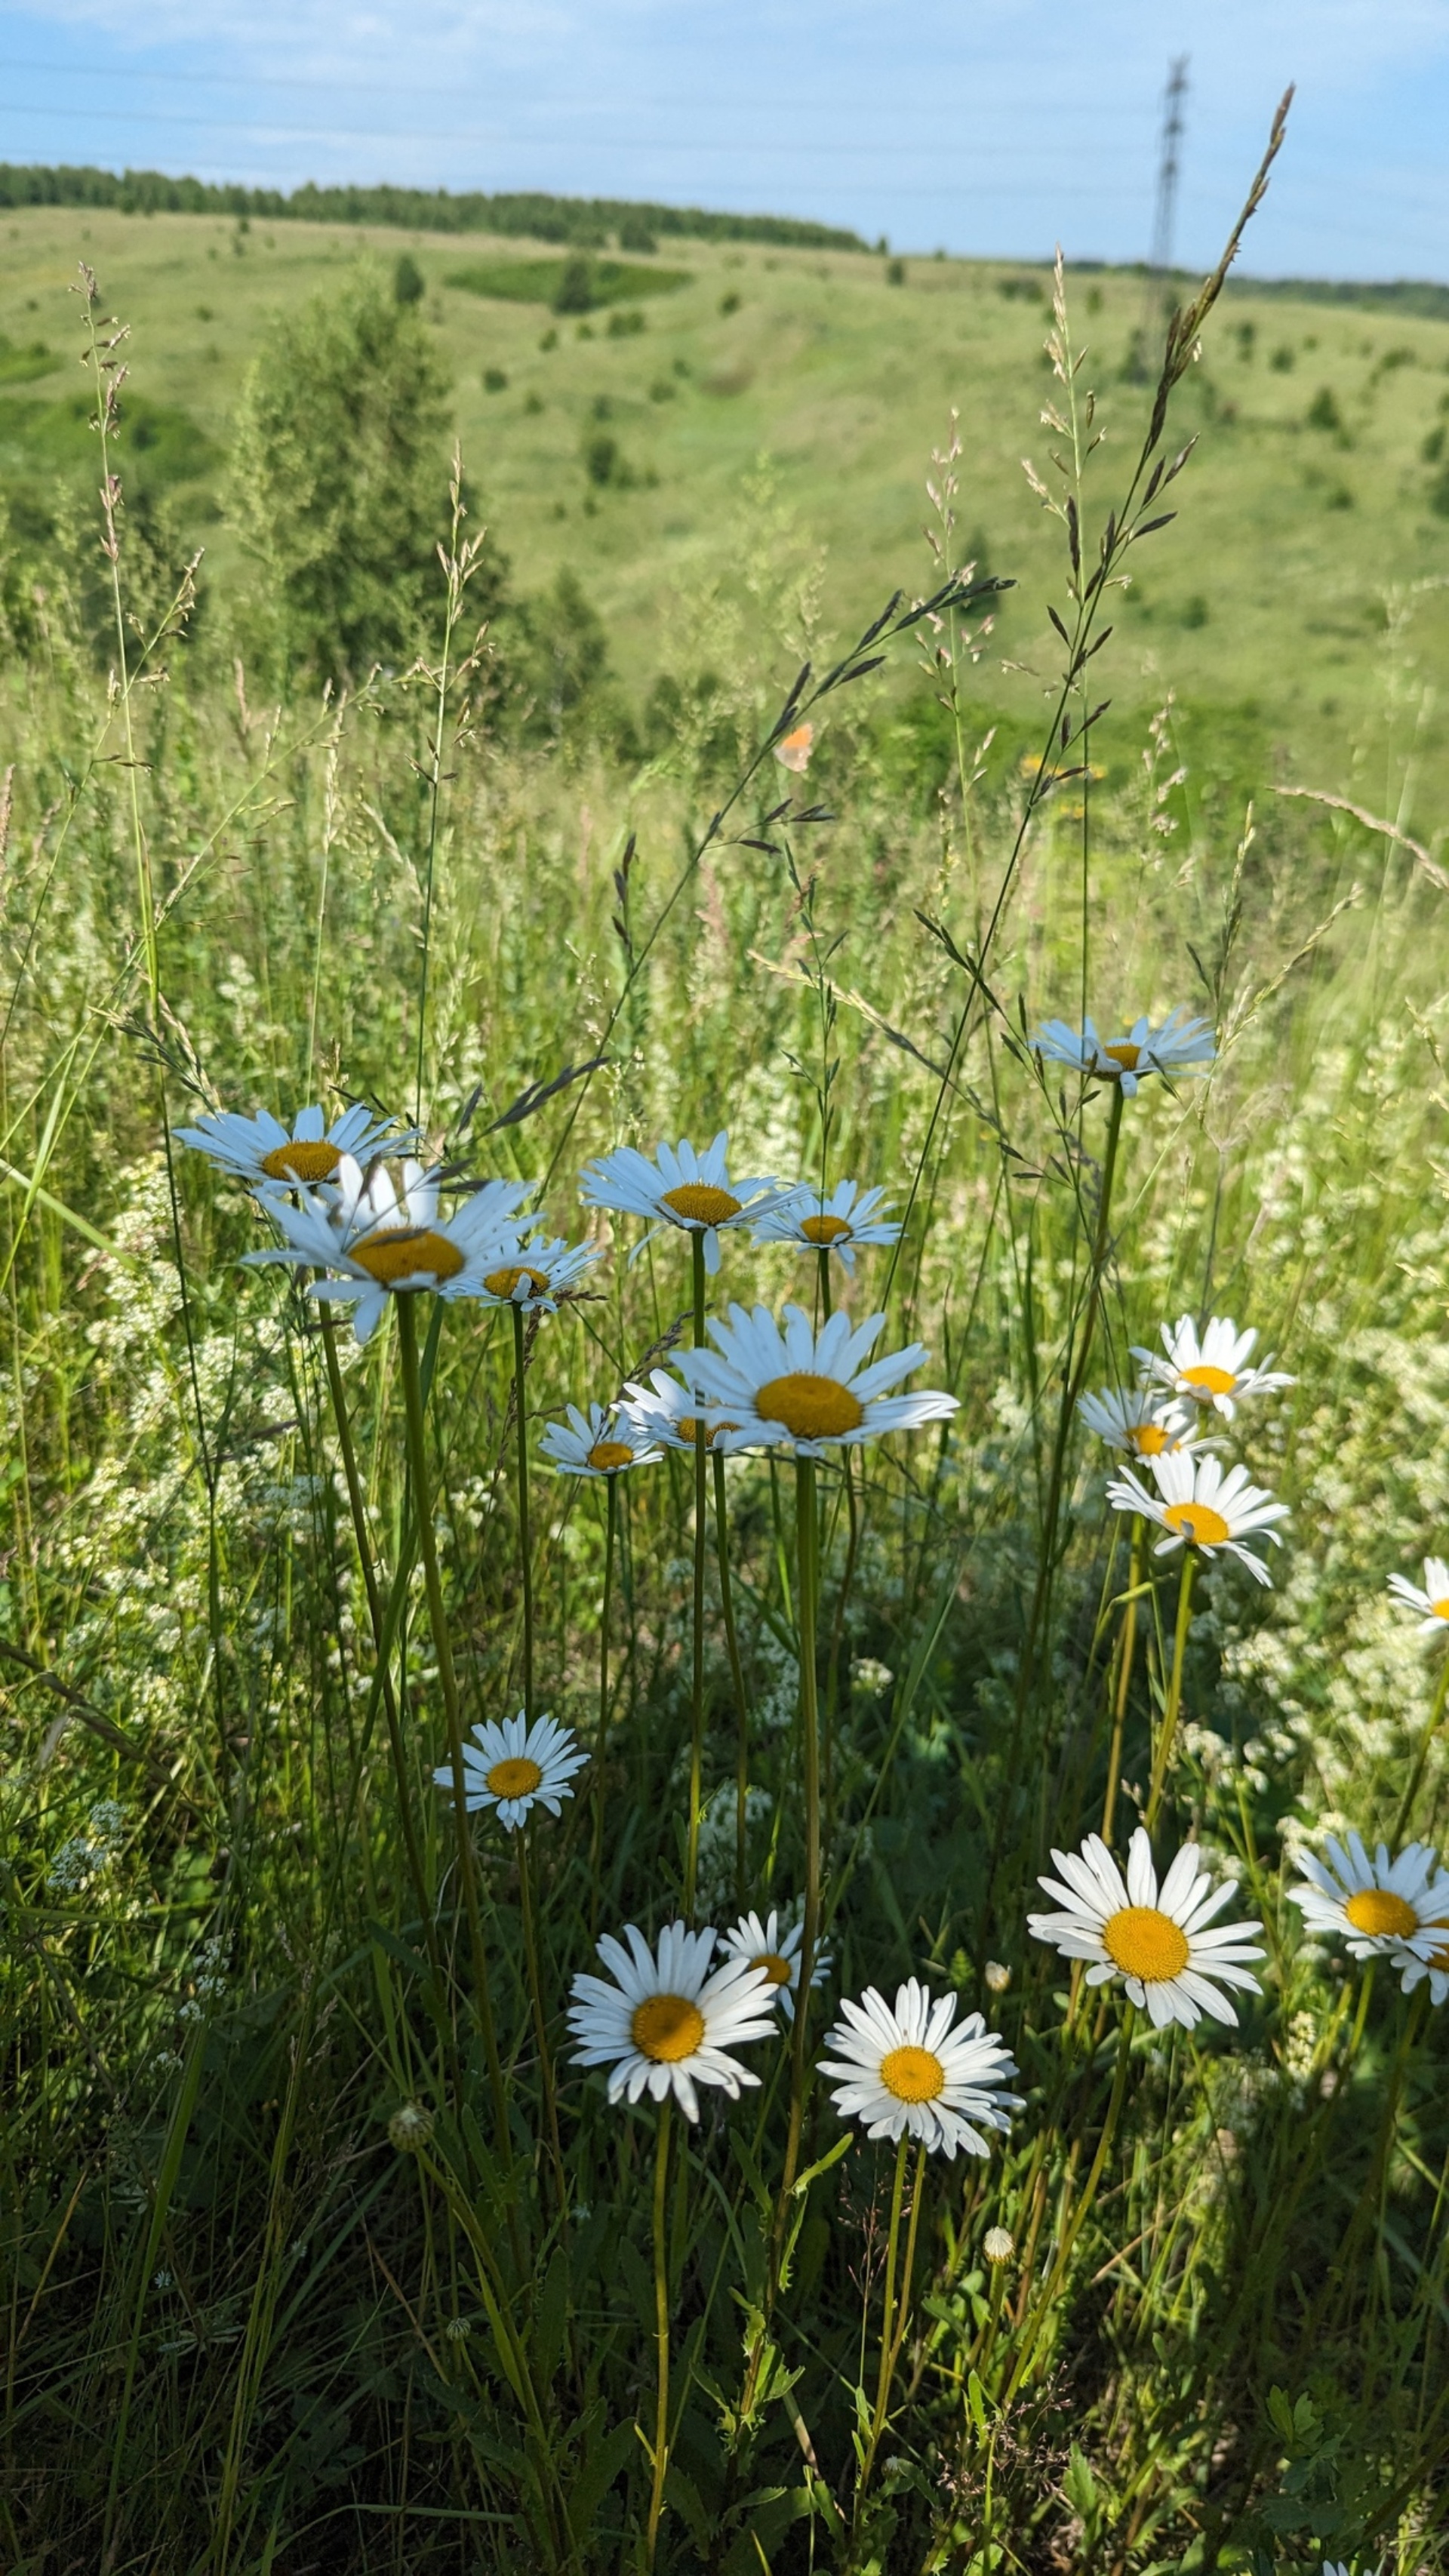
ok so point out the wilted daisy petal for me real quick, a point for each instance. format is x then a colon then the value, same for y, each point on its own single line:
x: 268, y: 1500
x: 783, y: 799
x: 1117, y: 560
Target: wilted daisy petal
x: 1171, y: 1955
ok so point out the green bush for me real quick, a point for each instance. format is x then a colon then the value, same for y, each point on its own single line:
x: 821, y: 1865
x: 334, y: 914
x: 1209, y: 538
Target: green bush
x: 1323, y: 411
x: 338, y: 482
x: 575, y: 292
x: 601, y: 458
x: 408, y: 282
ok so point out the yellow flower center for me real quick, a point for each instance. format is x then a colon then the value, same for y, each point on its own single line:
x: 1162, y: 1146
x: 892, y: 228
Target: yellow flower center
x: 1124, y: 1054
x: 1209, y: 1381
x: 823, y: 1229
x: 810, y: 1407
x: 516, y: 1777
x: 406, y: 1252
x: 698, y: 1203
x: 1198, y: 1523
x: 501, y: 1283
x: 912, y: 2074
x: 302, y: 1161
x: 687, y: 1426
x: 1376, y: 1910
x: 666, y: 2028
x: 1148, y: 1439
x: 1439, y: 1609
x: 776, y: 1968
x: 1144, y: 1942
x: 606, y: 1455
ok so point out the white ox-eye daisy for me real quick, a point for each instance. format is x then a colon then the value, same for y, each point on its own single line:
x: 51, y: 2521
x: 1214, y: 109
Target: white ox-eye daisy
x: 1137, y: 1421
x: 1201, y: 1504
x: 1377, y: 1905
x: 906, y: 2072
x: 379, y: 1245
x: 677, y: 1186
x: 666, y: 1411
x: 1426, y: 1956
x: 1165, y: 1946
x: 535, y: 1275
x: 669, y: 2021
x: 1432, y: 1603
x: 264, y: 1153
x: 815, y: 1223
x: 1212, y: 1369
x: 514, y: 1767
x: 773, y: 1945
x: 602, y: 1442
x: 812, y: 1391
x: 1179, y: 1044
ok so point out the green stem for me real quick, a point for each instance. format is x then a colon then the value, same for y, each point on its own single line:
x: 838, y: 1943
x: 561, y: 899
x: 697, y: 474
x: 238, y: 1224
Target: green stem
x: 407, y: 1333
x: 661, y: 2327
x: 808, y: 1585
x: 1127, y: 1646
x: 701, y: 1535
x: 887, y: 2330
x: 1168, y: 1732
x: 737, y: 1681
x: 611, y: 1516
x: 1073, y: 2225
x: 540, y: 2023
x: 827, y: 1307
x: 1416, y: 1776
x: 525, y: 1551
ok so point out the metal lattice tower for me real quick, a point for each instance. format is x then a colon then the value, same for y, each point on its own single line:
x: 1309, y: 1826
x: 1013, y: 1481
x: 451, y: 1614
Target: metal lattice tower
x: 1158, y: 294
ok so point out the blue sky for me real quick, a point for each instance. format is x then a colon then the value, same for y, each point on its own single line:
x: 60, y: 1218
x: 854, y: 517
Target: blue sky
x: 990, y: 126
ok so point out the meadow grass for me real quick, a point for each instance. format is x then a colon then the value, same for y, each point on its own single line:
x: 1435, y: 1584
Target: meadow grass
x: 321, y: 2251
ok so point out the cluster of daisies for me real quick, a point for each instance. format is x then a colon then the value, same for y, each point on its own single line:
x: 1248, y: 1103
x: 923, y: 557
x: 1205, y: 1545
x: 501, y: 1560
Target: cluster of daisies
x: 1167, y: 1423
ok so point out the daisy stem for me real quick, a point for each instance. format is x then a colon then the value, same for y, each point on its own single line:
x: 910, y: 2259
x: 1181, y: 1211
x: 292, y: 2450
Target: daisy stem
x: 701, y: 1535
x: 358, y: 1507
x: 661, y: 2327
x: 1416, y: 1776
x: 1168, y: 1733
x: 826, y: 1306
x: 525, y: 1553
x: 1127, y: 1646
x: 1073, y: 2224
x: 737, y: 1680
x: 891, y: 2332
x: 407, y: 1334
x: 808, y: 1588
x: 540, y: 2024
x: 611, y: 1518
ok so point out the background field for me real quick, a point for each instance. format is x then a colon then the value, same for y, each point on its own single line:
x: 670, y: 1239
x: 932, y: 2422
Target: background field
x: 799, y: 427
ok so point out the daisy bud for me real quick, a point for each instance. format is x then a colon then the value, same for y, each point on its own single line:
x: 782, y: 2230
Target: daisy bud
x: 410, y: 2128
x: 997, y: 1977
x: 998, y: 2245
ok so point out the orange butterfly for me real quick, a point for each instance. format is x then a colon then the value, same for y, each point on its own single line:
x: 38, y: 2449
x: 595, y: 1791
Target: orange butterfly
x: 794, y: 749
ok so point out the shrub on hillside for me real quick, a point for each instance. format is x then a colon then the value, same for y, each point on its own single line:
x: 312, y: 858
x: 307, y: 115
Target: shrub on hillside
x: 338, y: 481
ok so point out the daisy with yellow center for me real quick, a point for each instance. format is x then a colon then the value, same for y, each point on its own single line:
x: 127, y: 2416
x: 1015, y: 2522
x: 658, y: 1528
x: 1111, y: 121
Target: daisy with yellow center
x: 815, y: 1223
x: 602, y: 1442
x: 267, y: 1155
x: 669, y: 2020
x: 676, y: 1186
x: 1202, y: 1505
x: 516, y: 1767
x: 809, y: 1391
x: 1170, y: 1954
x: 905, y: 2072
x: 536, y: 1275
x: 1179, y: 1044
x: 1143, y: 1424
x: 1432, y: 1603
x: 773, y: 1945
x: 1427, y: 1955
x: 1209, y: 1369
x: 1378, y: 1905
x: 378, y: 1244
x: 665, y: 1411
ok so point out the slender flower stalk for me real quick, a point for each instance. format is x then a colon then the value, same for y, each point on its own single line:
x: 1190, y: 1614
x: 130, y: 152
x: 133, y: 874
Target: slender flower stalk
x: 540, y: 2016
x: 807, y: 1561
x: 1076, y: 2219
x: 525, y: 1548
x: 1416, y: 1776
x: 1167, y: 1733
x: 701, y: 1537
x: 737, y: 1680
x: 895, y: 2313
x: 661, y: 2329
x: 1126, y: 1649
x: 611, y: 1523
x: 448, y: 1682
